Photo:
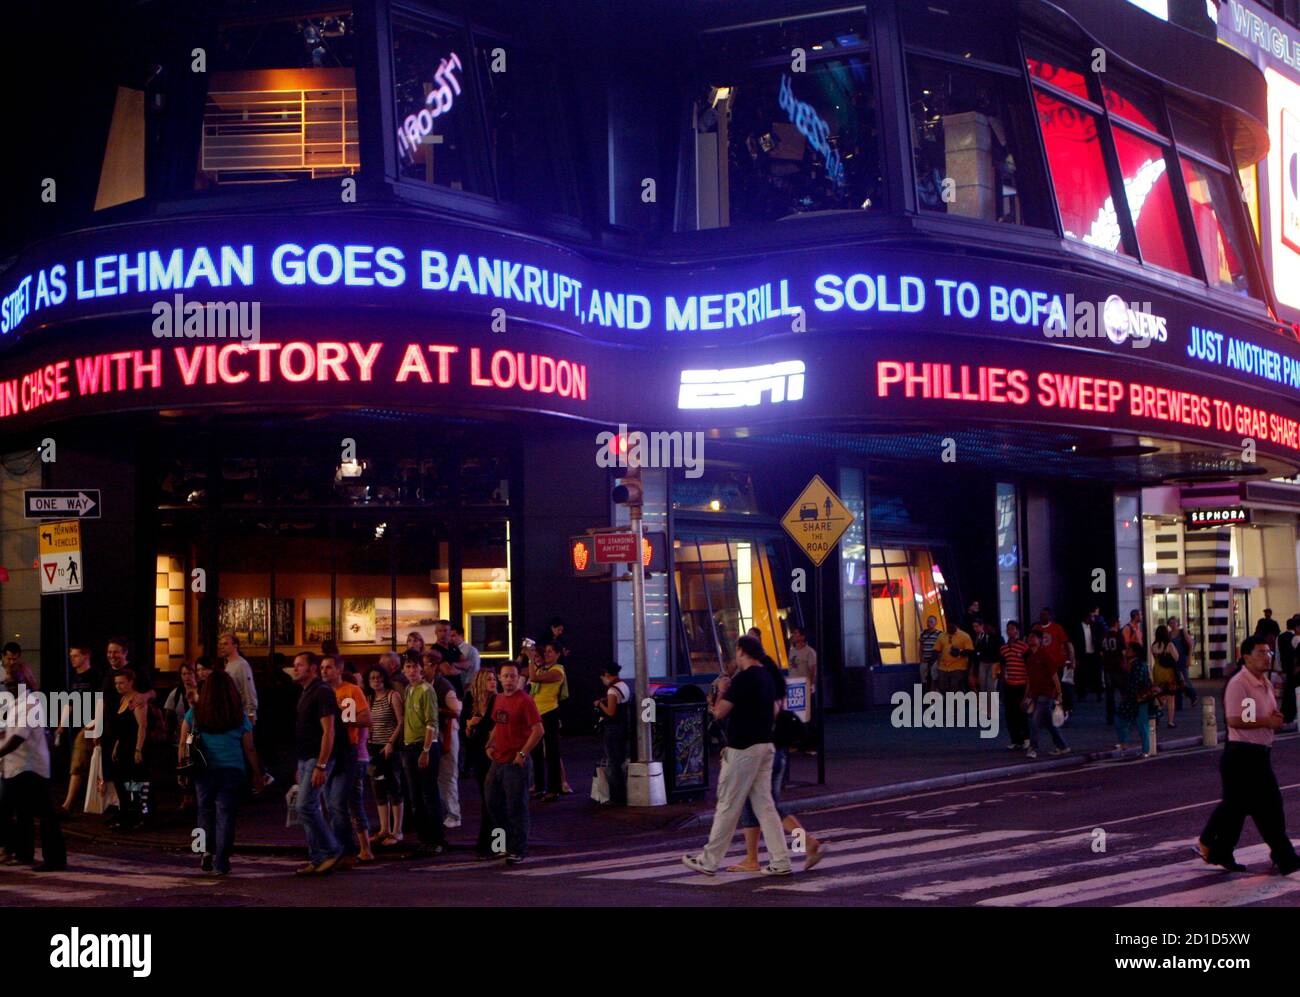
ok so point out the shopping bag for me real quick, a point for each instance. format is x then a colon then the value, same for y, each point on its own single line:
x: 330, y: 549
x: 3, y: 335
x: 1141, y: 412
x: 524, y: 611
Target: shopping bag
x: 96, y: 802
x: 600, y: 786
x: 291, y: 807
x: 1058, y: 716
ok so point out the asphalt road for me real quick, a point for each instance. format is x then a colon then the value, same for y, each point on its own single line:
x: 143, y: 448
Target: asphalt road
x: 1108, y: 834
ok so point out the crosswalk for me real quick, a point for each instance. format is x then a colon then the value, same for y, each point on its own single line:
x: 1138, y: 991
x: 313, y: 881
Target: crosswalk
x: 92, y: 878
x: 961, y: 866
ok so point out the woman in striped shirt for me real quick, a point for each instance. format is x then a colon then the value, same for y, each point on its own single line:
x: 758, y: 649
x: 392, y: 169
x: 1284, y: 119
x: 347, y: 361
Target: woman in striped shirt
x: 385, y: 764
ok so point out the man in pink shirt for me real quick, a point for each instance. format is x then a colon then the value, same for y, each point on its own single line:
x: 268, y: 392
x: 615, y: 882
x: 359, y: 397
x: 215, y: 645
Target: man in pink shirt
x: 1249, y: 785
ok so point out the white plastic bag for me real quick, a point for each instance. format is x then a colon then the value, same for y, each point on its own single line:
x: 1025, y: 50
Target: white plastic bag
x: 1058, y: 716
x: 600, y: 786
x: 97, y: 803
x: 291, y: 807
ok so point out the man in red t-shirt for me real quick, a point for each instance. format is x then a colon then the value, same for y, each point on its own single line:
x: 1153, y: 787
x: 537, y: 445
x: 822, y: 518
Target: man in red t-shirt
x: 516, y: 730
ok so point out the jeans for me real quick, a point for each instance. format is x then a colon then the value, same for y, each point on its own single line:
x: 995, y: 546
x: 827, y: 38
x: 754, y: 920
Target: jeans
x: 546, y: 756
x: 1249, y: 790
x: 780, y: 759
x: 986, y: 675
x: 340, y: 787
x: 27, y: 798
x: 1143, y: 727
x: 422, y: 792
x: 321, y: 843
x: 218, y: 791
x: 1042, y: 720
x: 507, y: 795
x: 615, y: 737
x: 746, y: 776
x: 1013, y: 698
x: 483, y: 843
x: 357, y: 801
x: 1185, y: 675
x: 449, y: 775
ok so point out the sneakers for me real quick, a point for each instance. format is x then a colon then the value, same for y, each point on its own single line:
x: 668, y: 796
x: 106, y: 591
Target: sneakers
x: 1031, y: 753
x: 1015, y: 746
x: 451, y: 823
x: 771, y: 870
x: 514, y: 859
x: 1061, y: 751
x: 696, y: 864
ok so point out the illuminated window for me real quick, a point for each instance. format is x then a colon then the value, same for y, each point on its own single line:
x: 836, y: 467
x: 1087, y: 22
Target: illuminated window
x: 1079, y: 175
x: 281, y: 102
x: 1151, y: 201
x: 773, y: 144
x: 1219, y: 231
x: 907, y: 587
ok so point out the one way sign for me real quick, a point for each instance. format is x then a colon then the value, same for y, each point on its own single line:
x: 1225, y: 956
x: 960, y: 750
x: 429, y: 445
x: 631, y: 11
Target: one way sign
x: 82, y: 503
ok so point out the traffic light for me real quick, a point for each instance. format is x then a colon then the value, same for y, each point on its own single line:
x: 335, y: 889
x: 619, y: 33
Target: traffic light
x: 628, y: 490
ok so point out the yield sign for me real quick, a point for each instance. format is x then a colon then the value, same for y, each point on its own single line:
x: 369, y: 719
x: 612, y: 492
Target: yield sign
x: 817, y: 520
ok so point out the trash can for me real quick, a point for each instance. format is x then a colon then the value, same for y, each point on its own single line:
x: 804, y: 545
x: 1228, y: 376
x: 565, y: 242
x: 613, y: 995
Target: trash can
x: 678, y: 740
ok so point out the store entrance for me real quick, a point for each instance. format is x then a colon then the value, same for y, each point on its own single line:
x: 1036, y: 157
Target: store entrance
x: 1187, y: 604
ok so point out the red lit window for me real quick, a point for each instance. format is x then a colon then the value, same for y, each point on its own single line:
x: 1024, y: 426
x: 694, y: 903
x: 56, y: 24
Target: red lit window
x: 1079, y: 173
x: 1151, y: 202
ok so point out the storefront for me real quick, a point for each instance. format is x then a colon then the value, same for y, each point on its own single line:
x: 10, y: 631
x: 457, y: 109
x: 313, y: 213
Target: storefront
x: 357, y: 373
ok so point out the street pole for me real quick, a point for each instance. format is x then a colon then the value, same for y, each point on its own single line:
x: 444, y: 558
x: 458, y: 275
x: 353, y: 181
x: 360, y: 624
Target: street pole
x: 819, y: 704
x: 638, y: 641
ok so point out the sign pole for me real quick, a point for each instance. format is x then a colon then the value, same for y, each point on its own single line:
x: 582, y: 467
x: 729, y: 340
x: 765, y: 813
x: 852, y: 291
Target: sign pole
x: 67, y: 657
x: 638, y: 641
x: 819, y: 706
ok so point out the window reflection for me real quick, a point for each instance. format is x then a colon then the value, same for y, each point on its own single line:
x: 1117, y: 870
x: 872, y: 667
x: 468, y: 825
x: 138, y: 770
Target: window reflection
x: 1222, y: 241
x: 907, y: 587
x: 1079, y: 177
x: 1151, y: 202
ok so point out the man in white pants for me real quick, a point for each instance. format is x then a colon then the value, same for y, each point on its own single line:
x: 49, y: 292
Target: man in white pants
x: 748, y: 704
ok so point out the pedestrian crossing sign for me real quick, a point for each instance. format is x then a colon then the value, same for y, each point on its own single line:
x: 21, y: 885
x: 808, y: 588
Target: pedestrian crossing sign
x: 59, y: 556
x: 817, y: 520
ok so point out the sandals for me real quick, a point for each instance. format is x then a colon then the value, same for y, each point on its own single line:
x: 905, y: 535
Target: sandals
x: 550, y: 797
x: 744, y: 867
x: 383, y: 839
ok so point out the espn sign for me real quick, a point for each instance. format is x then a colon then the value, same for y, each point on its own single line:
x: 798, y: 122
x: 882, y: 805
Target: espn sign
x: 738, y: 387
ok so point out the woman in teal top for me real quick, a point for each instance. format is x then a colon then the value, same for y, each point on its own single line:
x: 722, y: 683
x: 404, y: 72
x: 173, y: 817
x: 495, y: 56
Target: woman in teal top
x: 225, y: 739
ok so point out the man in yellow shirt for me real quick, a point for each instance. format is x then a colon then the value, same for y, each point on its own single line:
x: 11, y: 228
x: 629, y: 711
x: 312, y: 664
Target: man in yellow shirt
x: 951, y: 653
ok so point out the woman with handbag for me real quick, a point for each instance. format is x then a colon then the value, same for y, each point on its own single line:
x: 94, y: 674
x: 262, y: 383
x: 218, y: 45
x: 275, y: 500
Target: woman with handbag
x: 1164, y: 670
x: 127, y: 764
x: 1136, y: 694
x: 216, y: 738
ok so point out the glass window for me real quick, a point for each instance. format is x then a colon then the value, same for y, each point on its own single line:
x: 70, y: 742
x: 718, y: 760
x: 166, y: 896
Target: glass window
x: 773, y: 144
x: 853, y: 563
x: 281, y: 103
x: 1197, y: 134
x: 1079, y: 175
x: 907, y: 587
x: 436, y: 125
x: 1132, y: 104
x: 716, y: 490
x: 1223, y: 241
x: 1060, y: 71
x: 1151, y: 201
x: 1007, y: 532
x: 970, y: 136
x: 526, y: 138
x: 724, y: 588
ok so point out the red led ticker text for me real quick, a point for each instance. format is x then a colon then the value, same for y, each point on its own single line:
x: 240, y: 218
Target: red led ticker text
x: 1081, y: 393
x: 297, y: 362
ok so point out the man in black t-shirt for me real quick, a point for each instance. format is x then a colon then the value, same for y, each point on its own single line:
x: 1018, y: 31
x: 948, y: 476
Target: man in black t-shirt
x: 319, y: 742
x: 748, y: 704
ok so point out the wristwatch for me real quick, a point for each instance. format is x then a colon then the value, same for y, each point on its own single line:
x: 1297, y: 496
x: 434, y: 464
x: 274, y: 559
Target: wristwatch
x: 321, y: 767
x: 520, y: 754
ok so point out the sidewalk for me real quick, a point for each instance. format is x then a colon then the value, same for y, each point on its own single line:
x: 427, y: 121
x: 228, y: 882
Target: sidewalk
x: 866, y: 758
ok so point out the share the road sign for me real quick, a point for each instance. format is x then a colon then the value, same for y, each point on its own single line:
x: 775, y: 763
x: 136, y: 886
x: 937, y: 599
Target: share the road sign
x: 60, y: 557
x: 62, y: 503
x: 817, y: 520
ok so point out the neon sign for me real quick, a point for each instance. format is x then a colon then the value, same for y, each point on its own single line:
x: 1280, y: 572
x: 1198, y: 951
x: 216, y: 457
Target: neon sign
x: 811, y: 126
x: 737, y: 387
x: 437, y: 102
